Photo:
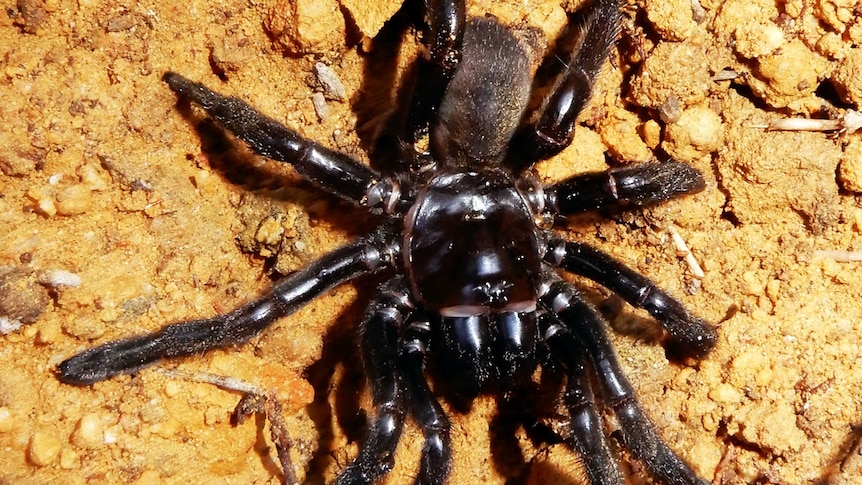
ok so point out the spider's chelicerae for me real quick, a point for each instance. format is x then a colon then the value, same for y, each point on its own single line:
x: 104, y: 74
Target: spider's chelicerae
x: 472, y: 284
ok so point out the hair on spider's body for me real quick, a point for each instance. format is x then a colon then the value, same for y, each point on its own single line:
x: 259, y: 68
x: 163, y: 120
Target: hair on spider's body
x: 472, y: 284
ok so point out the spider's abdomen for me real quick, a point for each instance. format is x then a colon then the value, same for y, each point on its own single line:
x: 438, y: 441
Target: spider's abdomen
x: 471, y: 246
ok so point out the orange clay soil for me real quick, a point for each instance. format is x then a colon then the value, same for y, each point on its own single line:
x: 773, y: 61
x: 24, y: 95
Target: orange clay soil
x: 120, y: 212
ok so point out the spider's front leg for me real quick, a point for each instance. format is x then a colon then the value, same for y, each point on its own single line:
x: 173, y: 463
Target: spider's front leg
x: 688, y: 335
x: 181, y: 339
x: 623, y: 187
x: 639, y: 435
x: 393, y: 357
x: 378, y: 342
x: 587, y: 435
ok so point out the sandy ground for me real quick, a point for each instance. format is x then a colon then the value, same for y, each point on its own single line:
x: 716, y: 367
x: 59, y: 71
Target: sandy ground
x: 121, y: 212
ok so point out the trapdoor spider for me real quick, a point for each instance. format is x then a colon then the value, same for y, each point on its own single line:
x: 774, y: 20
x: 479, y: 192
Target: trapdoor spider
x: 472, y: 284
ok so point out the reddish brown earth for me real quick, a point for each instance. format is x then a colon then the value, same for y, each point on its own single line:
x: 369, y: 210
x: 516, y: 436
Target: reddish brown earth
x: 116, y: 218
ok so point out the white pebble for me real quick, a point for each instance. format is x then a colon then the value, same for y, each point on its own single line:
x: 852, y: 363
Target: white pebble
x: 59, y: 277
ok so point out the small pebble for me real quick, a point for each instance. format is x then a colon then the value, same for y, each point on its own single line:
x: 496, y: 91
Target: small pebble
x: 329, y: 81
x: 43, y: 449
x: 89, y: 433
x: 319, y: 102
x: 69, y: 459
x: 48, y: 333
x: 59, y: 277
x: 73, y: 200
x: 172, y: 389
x: 6, y: 421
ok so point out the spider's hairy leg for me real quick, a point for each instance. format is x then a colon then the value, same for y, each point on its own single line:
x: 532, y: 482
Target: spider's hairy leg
x: 688, y: 335
x: 623, y: 187
x: 443, y: 33
x: 334, y: 172
x: 639, y: 435
x: 442, y: 23
x: 587, y: 435
x: 553, y: 128
x: 436, y: 456
x: 378, y: 341
x: 186, y: 338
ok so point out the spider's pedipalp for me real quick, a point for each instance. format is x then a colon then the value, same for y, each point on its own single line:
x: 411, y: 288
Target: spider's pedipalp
x: 552, y: 128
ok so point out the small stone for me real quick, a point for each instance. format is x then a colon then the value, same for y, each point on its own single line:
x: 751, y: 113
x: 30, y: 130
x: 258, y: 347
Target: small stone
x: 847, y: 79
x: 46, y: 207
x: 850, y: 167
x: 89, y: 433
x: 652, y: 133
x: 43, y: 449
x: 619, y: 131
x: 7, y: 423
x: 672, y: 19
x: 84, y: 328
x: 306, y: 26
x: 329, y: 81
x: 48, y: 334
x: 58, y: 277
x: 74, y: 200
x: 120, y: 23
x: 319, y: 102
x: 697, y: 132
x: 93, y: 178
x: 69, y: 459
x: 22, y: 300
x: 172, y: 389
x: 32, y: 14
x: 754, y: 39
x: 212, y: 416
x: 725, y: 393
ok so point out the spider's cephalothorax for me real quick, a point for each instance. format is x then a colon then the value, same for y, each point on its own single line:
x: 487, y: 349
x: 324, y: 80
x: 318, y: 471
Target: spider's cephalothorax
x: 472, y: 283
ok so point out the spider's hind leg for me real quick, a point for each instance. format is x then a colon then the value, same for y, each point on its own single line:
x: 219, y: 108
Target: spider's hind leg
x: 551, y: 129
x: 442, y: 24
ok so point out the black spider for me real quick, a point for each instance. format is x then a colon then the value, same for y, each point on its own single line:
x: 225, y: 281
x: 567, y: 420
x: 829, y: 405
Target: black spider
x: 472, y: 272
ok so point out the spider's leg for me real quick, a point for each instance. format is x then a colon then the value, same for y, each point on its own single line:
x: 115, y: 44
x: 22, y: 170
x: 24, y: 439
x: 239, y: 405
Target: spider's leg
x: 331, y: 170
x: 437, y: 450
x: 688, y: 335
x: 443, y: 33
x: 442, y: 24
x: 553, y: 126
x: 639, y: 435
x: 186, y: 338
x: 379, y: 334
x: 587, y: 435
x: 622, y: 187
